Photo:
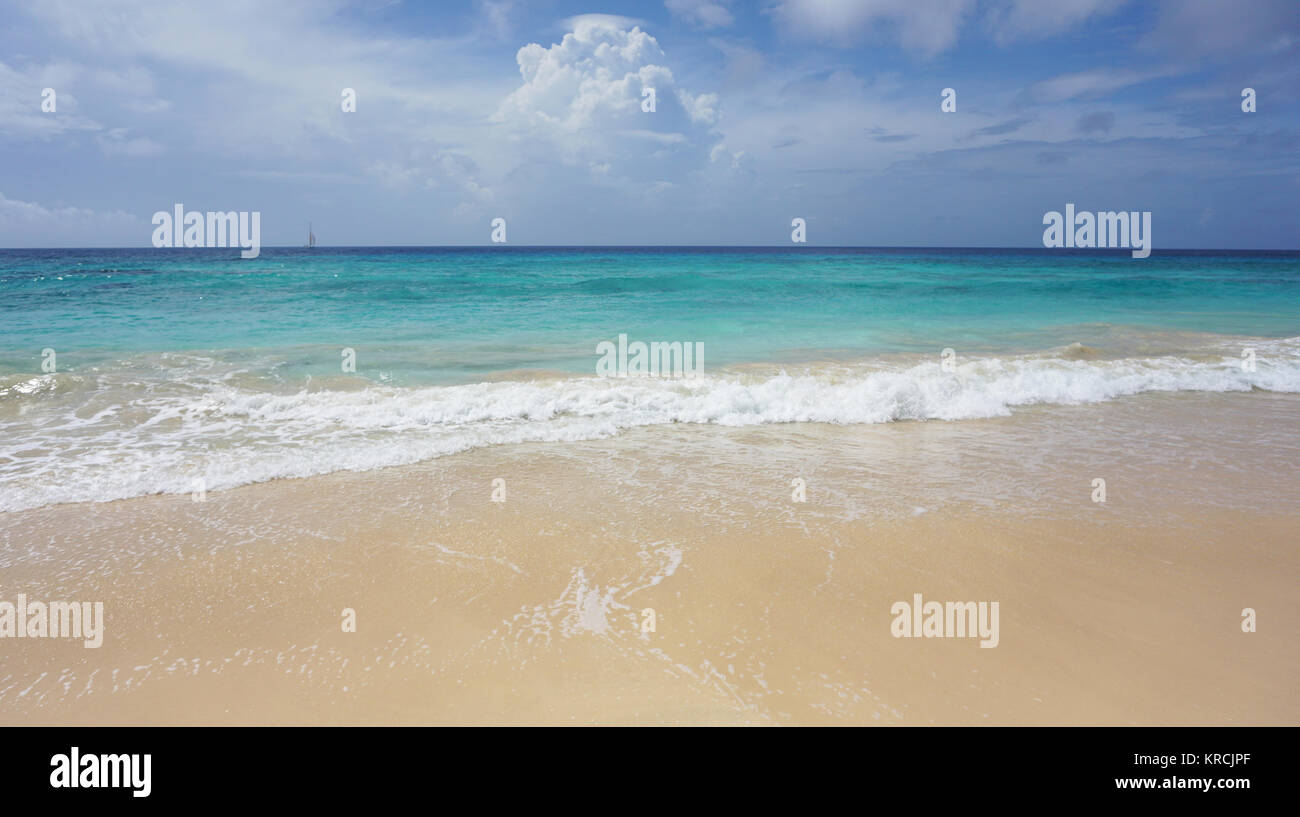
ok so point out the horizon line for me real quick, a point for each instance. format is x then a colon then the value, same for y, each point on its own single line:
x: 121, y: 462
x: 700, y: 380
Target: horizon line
x: 794, y: 247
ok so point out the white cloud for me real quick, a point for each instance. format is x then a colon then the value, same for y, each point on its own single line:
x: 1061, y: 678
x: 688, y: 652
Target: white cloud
x: 1193, y: 28
x: 496, y: 13
x: 583, y: 96
x: 702, y: 13
x: 1090, y: 84
x: 924, y: 26
x: 929, y: 27
x: 448, y: 129
x: 313, y: 176
x: 20, y: 105
x: 119, y: 142
x: 583, y: 22
x: 263, y: 80
x: 28, y: 224
x: 1015, y: 19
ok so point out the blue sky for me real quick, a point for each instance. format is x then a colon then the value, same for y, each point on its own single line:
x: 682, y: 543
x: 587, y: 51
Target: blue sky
x: 827, y: 110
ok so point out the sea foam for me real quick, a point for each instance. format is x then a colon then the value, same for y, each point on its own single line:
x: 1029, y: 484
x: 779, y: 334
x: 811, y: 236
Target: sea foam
x: 229, y: 436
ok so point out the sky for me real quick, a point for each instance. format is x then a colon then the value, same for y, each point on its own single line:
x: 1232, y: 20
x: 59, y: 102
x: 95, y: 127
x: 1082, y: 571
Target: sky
x: 826, y: 110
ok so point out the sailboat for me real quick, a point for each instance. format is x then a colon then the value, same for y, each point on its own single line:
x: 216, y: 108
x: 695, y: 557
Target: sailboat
x: 311, y: 237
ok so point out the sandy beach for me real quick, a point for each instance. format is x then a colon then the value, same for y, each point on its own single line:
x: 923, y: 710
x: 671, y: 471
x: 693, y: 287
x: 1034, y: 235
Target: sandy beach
x: 766, y: 610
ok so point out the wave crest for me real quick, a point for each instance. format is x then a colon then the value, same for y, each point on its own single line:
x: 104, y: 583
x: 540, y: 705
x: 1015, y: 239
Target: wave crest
x: 231, y: 435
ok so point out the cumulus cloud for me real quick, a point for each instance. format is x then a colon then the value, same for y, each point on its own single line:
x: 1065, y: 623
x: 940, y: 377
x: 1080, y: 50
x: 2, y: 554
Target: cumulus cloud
x: 557, y: 142
x: 584, y: 96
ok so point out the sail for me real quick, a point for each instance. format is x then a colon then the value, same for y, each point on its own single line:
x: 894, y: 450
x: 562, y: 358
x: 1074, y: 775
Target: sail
x: 311, y: 237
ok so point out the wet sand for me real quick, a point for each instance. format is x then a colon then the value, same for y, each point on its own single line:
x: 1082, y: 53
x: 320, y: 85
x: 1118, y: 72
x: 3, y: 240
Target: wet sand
x: 767, y: 610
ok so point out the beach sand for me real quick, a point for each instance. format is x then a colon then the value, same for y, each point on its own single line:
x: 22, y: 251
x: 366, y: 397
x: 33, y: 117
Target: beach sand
x: 767, y: 611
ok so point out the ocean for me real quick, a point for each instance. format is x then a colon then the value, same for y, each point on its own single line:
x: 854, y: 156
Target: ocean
x: 130, y: 372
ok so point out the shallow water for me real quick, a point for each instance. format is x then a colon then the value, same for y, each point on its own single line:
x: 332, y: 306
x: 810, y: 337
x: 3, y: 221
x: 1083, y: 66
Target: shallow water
x: 185, y: 370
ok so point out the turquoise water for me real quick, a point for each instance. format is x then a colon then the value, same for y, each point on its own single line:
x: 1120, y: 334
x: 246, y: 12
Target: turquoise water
x: 173, y: 368
x: 454, y: 315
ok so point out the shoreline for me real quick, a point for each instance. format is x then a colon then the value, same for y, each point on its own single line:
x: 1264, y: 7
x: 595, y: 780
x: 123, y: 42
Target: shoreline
x: 117, y: 434
x: 767, y: 611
